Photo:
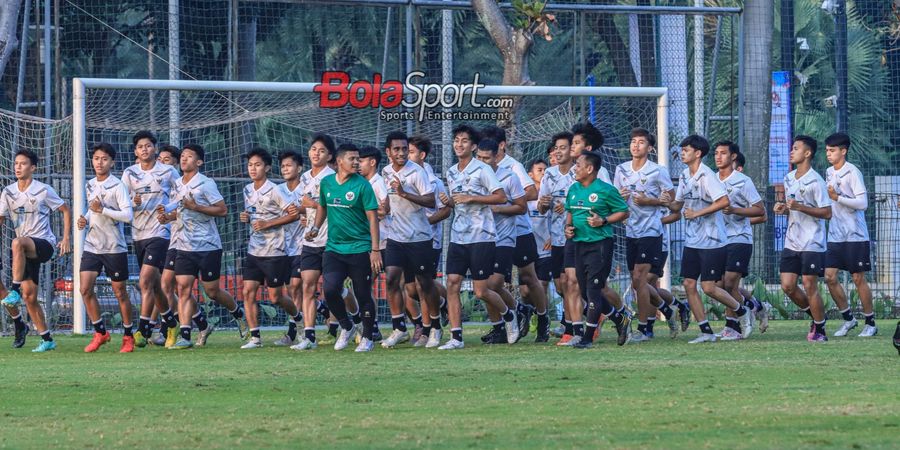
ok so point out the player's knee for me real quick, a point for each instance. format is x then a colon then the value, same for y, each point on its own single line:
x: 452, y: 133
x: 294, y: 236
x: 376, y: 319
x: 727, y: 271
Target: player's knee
x: 708, y: 287
x: 859, y: 278
x: 86, y: 291
x: 689, y: 284
x: 831, y: 278
x: 788, y: 288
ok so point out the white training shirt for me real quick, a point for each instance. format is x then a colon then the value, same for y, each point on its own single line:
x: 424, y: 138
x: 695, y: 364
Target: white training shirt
x: 805, y: 233
x: 556, y: 185
x: 30, y: 210
x: 651, y: 180
x: 155, y: 186
x: 409, y: 221
x: 472, y: 222
x: 310, y: 185
x: 266, y: 203
x: 507, y: 225
x: 437, y: 229
x: 105, y: 231
x: 848, y: 213
x: 742, y: 194
x: 293, y: 231
x: 540, y: 223
x: 194, y: 231
x: 697, y: 192
x: 381, y: 194
x: 523, y: 223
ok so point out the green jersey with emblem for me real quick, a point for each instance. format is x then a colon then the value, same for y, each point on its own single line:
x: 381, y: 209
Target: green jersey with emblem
x: 346, y: 205
x: 598, y: 197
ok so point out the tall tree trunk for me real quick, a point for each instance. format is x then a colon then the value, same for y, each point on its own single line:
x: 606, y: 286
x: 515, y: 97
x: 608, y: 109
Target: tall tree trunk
x: 9, y: 16
x: 648, y: 47
x: 759, y: 17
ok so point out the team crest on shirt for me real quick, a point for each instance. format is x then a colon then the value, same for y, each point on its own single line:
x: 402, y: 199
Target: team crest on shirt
x: 593, y: 198
x: 32, y: 200
x: 350, y: 196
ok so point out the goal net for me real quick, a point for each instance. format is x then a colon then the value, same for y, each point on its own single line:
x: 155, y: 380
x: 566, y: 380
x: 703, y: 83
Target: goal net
x: 227, y: 118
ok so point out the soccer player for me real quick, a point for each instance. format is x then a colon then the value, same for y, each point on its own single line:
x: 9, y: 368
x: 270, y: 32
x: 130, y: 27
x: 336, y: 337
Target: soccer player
x: 641, y: 183
x: 744, y: 203
x: 196, y: 203
x: 169, y: 155
x: 104, y: 245
x: 369, y: 160
x: 473, y: 189
x: 352, y: 247
x: 848, y: 235
x: 266, y: 210
x: 760, y: 309
x: 704, y: 256
x: 150, y: 184
x: 592, y: 206
x: 409, y: 252
x: 807, y: 208
x: 505, y: 222
x: 540, y: 225
x: 28, y: 203
x: 320, y: 152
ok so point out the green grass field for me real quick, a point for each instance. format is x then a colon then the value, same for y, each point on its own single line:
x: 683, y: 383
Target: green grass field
x: 772, y: 391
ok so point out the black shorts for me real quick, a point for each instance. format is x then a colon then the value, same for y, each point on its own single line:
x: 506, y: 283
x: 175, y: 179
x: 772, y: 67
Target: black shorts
x: 503, y: 262
x: 569, y: 255
x: 659, y: 267
x: 295, y: 262
x: 738, y: 258
x: 207, y: 264
x: 151, y: 252
x: 593, y: 262
x: 477, y: 258
x: 543, y: 268
x: 802, y: 263
x: 557, y: 261
x: 706, y: 264
x: 269, y: 269
x: 311, y: 258
x: 645, y: 250
x: 526, y: 250
x: 437, y: 259
x: 171, y: 254
x: 415, y: 258
x: 114, y: 264
x: 850, y: 256
x: 44, y: 252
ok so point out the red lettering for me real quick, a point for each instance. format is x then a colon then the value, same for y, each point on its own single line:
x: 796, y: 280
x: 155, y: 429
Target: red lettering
x: 333, y: 83
x: 336, y: 91
x: 392, y: 94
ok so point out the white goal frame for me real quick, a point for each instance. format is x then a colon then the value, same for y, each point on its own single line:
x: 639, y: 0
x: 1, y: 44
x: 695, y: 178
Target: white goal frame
x: 79, y: 146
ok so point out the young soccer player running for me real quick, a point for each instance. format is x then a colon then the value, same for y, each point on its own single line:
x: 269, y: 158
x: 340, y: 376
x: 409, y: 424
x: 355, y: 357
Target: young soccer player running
x: 593, y: 206
x: 473, y: 189
x: 744, y: 203
x: 369, y: 160
x: 104, y: 245
x: 704, y: 257
x: 28, y: 203
x: 848, y: 234
x: 807, y: 208
x: 352, y: 248
x: 760, y: 309
x: 266, y: 210
x: 540, y: 225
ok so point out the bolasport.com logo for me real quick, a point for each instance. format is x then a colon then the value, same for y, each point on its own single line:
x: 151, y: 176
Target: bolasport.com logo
x: 423, y: 101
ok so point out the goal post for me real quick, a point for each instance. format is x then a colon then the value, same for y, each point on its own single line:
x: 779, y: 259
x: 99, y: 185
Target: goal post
x: 291, y: 109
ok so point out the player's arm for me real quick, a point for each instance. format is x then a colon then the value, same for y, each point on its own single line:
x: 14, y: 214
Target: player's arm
x: 495, y: 198
x: 671, y: 218
x: 531, y: 193
x: 518, y: 207
x: 720, y: 204
x: 545, y: 200
x: 425, y: 200
x: 217, y: 209
x: 819, y: 213
x: 440, y: 214
x: 65, y: 243
x: 755, y: 210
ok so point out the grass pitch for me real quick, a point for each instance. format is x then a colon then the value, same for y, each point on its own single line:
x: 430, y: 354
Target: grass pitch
x: 772, y: 391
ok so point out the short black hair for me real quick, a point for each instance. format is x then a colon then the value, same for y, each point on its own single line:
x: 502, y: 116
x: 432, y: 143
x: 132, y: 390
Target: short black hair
x: 644, y: 133
x: 370, y: 151
x: 474, y: 136
x: 32, y: 156
x: 489, y: 145
x: 697, y: 142
x: 344, y: 148
x: 550, y: 147
x: 841, y: 140
x: 422, y: 143
x: 176, y: 153
x: 196, y: 148
x: 739, y: 160
x: 325, y: 139
x: 809, y: 142
x: 561, y: 135
x: 260, y: 152
x: 494, y: 132
x: 104, y: 147
x: 589, y: 133
x: 534, y: 163
x: 395, y: 136
x: 594, y: 158
x: 143, y: 134
x: 732, y: 147
x: 297, y: 157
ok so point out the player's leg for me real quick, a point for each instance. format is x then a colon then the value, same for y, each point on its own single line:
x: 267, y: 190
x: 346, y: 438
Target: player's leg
x: 120, y: 290
x: 396, y: 260
x: 251, y: 310
x: 865, y: 298
x: 335, y: 272
x: 29, y: 291
x: 690, y: 270
x: 816, y: 306
x: 360, y: 273
x: 454, y: 306
x: 19, y: 325
x: 91, y: 305
x: 593, y: 264
x: 184, y: 281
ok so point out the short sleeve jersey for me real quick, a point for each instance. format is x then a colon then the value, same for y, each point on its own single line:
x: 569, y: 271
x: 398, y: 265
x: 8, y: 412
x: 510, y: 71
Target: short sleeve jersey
x: 195, y: 231
x: 651, y: 180
x: 805, y: 233
x: 266, y: 203
x: 409, y: 221
x: 437, y: 229
x: 293, y: 231
x: 540, y: 223
x: 29, y: 211
x: 311, y: 188
x: 847, y: 224
x: 381, y: 194
x: 600, y: 198
x: 697, y: 192
x: 155, y: 186
x: 472, y: 222
x: 556, y: 185
x: 105, y: 235
x: 523, y: 223
x: 507, y: 225
x: 742, y: 194
x: 346, y: 205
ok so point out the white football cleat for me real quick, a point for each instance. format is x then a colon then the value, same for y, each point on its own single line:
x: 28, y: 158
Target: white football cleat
x: 452, y: 344
x: 344, y: 338
x: 704, y: 337
x: 846, y: 327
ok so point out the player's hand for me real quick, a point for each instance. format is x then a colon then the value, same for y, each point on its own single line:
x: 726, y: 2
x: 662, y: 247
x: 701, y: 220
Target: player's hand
x: 780, y: 208
x: 163, y: 218
x: 793, y: 205
x: 189, y: 202
x: 397, y: 186
x: 137, y: 200
x: 260, y: 225
x: 728, y: 210
x: 832, y: 193
x: 244, y: 217
x: 665, y: 198
x: 81, y: 222
x: 642, y: 200
x: 375, y: 260
x: 96, y: 206
x: 312, y: 233
x: 461, y: 199
x: 548, y: 245
x: 625, y: 193
x: 293, y: 210
x: 559, y: 208
x: 64, y: 246
x: 595, y: 221
x: 570, y: 231
x: 382, y: 211
x: 308, y: 202
x: 690, y: 214
x: 446, y: 200
x: 303, y: 221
